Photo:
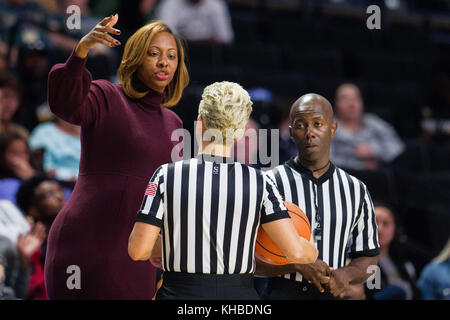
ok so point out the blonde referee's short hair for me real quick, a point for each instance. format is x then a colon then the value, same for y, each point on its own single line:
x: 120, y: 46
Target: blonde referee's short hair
x: 225, y: 107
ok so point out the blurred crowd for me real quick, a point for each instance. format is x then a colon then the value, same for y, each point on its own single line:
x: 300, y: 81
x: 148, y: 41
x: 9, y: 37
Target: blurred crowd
x: 40, y: 154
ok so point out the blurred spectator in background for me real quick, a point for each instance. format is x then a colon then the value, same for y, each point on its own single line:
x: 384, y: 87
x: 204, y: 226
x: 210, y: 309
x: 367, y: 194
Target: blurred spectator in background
x: 12, y: 272
x: 14, y: 164
x: 147, y: 9
x: 12, y: 222
x: 134, y: 13
x: 88, y: 21
x: 62, y: 38
x: 287, y: 146
x: 198, y: 20
x: 18, y: 243
x: 279, y: 115
x: 9, y: 104
x: 397, y: 273
x: 102, y: 57
x: 28, y: 24
x: 434, y: 282
x: 3, y: 63
x: 364, y: 141
x: 104, y: 8
x: 2, y: 277
x: 24, y: 29
x: 262, y: 107
x: 31, y: 37
x: 33, y: 70
x: 41, y: 199
x: 23, y: 23
x: 436, y: 117
x: 60, y: 141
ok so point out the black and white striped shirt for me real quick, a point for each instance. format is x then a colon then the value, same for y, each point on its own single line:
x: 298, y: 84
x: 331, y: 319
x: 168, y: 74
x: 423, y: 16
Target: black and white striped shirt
x: 209, y: 212
x: 339, y: 208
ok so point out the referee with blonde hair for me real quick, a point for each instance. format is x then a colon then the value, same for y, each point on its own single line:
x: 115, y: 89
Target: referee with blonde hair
x: 209, y: 208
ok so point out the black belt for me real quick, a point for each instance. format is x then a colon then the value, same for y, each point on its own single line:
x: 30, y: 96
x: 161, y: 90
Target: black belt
x: 230, y: 280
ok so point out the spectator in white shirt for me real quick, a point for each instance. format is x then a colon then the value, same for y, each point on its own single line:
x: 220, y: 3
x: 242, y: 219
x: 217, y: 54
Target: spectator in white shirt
x: 364, y: 140
x: 197, y: 20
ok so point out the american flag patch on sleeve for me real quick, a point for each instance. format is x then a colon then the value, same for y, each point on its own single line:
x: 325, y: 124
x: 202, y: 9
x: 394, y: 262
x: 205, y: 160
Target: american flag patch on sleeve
x: 151, y: 189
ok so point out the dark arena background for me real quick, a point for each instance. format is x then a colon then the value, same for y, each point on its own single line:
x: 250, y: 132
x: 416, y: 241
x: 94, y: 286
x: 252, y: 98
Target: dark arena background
x: 398, y: 57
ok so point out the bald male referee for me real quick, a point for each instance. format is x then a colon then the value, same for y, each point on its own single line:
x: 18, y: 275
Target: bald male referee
x: 337, y: 204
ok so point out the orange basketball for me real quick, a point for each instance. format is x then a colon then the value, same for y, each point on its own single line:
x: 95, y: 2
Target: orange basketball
x: 267, y: 251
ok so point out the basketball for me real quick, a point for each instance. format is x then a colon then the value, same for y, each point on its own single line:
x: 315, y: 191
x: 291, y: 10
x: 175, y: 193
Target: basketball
x: 267, y: 251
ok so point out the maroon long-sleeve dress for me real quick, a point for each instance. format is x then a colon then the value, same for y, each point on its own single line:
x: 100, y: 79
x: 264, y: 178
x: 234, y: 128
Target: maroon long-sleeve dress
x: 123, y: 141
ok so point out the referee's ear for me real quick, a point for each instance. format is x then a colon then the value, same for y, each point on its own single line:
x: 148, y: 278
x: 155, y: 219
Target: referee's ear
x: 334, y: 126
x: 199, y: 129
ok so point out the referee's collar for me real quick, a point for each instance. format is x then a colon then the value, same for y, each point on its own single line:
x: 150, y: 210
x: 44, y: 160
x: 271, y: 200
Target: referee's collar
x: 308, y: 174
x: 213, y: 158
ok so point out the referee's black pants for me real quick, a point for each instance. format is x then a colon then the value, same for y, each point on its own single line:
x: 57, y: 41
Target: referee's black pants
x: 186, y: 286
x: 285, y: 289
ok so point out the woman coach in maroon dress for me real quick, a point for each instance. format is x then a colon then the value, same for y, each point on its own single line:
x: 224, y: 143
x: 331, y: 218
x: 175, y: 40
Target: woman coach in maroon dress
x: 125, y: 136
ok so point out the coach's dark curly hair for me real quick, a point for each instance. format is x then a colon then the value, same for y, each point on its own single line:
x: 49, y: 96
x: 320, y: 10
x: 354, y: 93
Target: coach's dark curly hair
x: 25, y: 194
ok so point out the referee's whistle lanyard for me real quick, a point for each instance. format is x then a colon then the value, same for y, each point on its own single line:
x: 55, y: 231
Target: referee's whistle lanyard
x: 318, y: 229
x: 317, y: 232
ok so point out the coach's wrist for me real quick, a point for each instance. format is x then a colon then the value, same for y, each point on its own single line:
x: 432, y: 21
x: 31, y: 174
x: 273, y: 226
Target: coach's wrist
x: 81, y: 51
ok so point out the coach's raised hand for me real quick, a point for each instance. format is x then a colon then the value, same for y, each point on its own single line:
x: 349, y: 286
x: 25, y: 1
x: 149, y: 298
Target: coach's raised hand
x: 99, y: 34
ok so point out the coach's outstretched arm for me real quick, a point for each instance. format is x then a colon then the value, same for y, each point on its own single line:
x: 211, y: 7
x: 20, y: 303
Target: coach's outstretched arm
x: 285, y: 236
x: 72, y: 95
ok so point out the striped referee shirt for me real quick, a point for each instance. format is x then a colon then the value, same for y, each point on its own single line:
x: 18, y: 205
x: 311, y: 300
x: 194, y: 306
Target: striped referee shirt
x: 339, y: 208
x: 209, y: 212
